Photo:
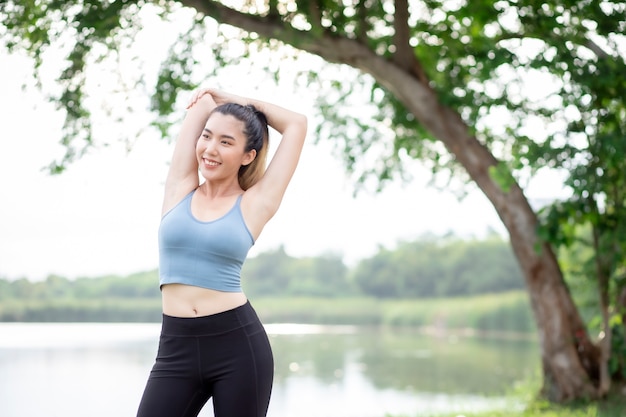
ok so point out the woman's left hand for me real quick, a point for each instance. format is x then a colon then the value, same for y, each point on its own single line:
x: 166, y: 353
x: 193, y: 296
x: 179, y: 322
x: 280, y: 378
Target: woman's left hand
x: 203, y: 93
x: 220, y: 97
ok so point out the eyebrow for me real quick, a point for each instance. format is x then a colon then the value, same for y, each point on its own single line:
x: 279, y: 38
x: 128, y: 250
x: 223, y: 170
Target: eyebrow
x: 223, y: 136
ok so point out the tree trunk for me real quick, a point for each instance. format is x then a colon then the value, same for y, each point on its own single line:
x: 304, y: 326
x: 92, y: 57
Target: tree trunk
x: 569, y: 359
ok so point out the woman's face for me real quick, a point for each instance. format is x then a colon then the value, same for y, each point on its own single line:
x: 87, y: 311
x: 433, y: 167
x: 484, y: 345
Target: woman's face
x: 221, y: 147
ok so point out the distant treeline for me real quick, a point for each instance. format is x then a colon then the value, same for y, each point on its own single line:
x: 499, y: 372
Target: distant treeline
x: 427, y: 268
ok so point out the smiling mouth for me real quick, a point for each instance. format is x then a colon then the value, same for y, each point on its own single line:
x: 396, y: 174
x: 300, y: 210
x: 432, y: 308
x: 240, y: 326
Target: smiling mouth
x: 210, y: 163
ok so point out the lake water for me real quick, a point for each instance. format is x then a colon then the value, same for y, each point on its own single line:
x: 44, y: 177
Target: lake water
x: 98, y: 370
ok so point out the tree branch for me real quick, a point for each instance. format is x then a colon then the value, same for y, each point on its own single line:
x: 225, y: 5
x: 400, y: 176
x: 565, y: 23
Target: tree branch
x: 223, y: 14
x: 589, y: 44
x: 403, y: 54
x: 332, y: 48
x: 315, y: 13
x: 596, y: 49
x: 364, y: 26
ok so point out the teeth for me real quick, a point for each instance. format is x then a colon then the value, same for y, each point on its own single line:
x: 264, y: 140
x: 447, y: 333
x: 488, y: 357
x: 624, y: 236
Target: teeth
x: 211, y: 163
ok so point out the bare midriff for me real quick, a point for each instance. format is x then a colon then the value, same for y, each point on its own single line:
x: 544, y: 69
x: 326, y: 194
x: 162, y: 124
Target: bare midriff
x: 181, y: 300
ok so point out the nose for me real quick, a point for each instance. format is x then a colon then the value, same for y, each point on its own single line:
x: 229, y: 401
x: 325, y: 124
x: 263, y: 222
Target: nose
x: 210, y: 147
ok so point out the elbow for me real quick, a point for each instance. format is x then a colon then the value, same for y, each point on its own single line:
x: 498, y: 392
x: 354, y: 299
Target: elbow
x: 302, y: 123
x: 295, y: 126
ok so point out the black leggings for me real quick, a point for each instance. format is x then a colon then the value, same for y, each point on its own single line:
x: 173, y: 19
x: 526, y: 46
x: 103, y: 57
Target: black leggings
x: 226, y: 356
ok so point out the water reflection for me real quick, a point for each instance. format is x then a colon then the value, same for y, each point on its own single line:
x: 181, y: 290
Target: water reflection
x: 408, y: 359
x: 69, y: 370
x: 448, y: 364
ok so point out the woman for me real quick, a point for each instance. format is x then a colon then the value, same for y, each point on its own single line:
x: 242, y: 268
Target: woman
x: 212, y: 343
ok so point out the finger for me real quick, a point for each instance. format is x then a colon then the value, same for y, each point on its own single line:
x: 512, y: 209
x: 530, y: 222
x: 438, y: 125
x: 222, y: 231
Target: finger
x: 195, y: 97
x: 192, y: 100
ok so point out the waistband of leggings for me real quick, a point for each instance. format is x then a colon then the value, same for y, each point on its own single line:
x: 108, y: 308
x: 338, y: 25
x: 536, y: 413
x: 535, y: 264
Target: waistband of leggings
x: 213, y: 324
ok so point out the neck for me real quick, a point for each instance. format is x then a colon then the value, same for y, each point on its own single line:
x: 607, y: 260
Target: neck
x: 220, y: 189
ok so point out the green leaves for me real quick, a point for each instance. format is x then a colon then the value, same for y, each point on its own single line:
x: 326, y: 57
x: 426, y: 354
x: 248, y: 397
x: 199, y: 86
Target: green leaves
x: 502, y: 176
x: 81, y: 28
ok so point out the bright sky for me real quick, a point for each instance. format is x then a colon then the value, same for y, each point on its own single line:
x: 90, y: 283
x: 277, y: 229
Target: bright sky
x: 101, y: 216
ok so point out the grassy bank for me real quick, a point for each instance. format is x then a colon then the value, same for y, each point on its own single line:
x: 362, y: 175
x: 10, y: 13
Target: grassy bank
x: 105, y: 309
x: 494, y: 312
x: 613, y: 406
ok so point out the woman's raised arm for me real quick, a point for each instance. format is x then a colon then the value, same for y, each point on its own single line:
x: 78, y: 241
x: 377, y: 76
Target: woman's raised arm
x: 182, y: 176
x: 269, y: 190
x: 293, y: 127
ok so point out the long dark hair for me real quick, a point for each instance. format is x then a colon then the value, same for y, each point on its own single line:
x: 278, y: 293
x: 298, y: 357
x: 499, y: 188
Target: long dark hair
x: 257, y: 138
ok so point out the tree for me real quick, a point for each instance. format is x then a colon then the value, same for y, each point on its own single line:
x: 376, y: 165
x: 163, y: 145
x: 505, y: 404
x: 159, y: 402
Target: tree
x: 269, y: 273
x: 432, y: 267
x: 277, y: 274
x: 448, y: 82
